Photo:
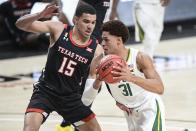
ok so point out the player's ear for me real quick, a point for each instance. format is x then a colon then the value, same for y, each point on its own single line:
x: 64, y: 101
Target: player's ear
x: 119, y: 40
x: 75, y: 20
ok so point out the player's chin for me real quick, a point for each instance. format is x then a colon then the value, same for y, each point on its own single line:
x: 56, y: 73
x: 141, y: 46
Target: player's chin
x: 87, y: 34
x: 105, y: 51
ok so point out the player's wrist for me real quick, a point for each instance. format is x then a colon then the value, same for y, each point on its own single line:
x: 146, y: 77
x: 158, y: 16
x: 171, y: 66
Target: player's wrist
x: 133, y: 79
x: 97, y: 84
x: 38, y: 15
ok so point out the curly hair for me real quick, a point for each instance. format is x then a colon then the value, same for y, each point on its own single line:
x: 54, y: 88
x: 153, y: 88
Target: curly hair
x: 116, y: 28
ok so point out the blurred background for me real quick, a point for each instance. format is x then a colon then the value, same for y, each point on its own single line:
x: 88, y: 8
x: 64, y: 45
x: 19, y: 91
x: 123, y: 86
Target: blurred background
x: 179, y: 21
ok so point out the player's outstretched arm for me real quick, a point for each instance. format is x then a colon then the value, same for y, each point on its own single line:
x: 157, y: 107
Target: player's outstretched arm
x: 30, y: 22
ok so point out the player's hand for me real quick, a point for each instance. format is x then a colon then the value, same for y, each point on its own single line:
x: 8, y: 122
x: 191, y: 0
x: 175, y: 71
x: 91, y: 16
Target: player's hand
x: 97, y: 76
x: 96, y: 64
x: 113, y: 15
x: 122, y: 72
x: 49, y: 11
x: 124, y: 108
x: 164, y: 2
x: 97, y: 83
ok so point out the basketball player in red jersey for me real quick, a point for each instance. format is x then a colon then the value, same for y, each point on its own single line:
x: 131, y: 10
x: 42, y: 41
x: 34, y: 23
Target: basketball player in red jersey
x: 101, y: 7
x: 71, y: 52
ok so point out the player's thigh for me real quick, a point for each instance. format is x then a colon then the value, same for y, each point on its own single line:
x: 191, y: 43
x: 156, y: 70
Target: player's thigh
x: 32, y: 120
x: 91, y: 125
x: 130, y: 121
x: 149, y: 117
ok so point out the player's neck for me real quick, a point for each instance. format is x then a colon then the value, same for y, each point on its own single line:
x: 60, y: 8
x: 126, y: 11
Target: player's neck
x: 79, y: 38
x: 124, y: 53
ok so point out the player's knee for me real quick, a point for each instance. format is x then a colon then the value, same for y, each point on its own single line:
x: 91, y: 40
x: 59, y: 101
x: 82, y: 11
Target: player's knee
x: 94, y: 126
x: 29, y: 127
x: 91, y: 125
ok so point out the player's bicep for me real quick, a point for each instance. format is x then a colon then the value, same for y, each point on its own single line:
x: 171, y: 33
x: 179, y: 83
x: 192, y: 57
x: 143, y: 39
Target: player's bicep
x: 146, y: 66
x: 151, y: 73
x: 39, y: 27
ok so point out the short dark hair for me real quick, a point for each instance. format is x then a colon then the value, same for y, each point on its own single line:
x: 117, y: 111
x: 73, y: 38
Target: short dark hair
x: 116, y: 28
x: 85, y: 8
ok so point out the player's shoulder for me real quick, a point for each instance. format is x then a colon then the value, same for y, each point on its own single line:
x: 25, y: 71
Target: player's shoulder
x: 142, y: 56
x: 55, y: 25
x: 143, y: 60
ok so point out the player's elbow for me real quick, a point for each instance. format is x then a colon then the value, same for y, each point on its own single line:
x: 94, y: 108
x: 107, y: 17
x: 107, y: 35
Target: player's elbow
x: 20, y: 25
x: 160, y: 90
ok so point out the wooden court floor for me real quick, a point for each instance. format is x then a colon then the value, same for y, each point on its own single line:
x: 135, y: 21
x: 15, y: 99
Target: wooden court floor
x: 176, y: 63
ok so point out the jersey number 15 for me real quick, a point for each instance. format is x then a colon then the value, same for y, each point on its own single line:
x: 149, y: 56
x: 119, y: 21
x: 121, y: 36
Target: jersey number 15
x: 67, y: 67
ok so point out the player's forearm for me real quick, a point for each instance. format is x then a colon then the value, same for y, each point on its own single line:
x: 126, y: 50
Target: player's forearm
x: 25, y: 21
x: 97, y: 84
x: 91, y: 90
x: 114, y: 5
x: 151, y: 85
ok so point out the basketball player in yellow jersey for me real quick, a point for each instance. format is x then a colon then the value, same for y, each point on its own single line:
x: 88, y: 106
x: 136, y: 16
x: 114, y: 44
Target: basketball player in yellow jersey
x: 139, y: 85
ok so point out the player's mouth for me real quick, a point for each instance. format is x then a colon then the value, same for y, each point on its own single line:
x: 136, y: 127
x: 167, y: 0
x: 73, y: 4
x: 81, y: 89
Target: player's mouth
x: 105, y: 50
x: 88, y: 32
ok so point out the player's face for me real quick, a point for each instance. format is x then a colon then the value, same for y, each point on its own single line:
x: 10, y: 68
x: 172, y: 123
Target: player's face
x: 85, y: 24
x: 109, y: 43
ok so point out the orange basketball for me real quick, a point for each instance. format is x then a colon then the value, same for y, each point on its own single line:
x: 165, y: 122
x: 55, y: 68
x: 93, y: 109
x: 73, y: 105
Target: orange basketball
x: 106, y: 66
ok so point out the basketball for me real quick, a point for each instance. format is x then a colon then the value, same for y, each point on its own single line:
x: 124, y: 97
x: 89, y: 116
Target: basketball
x: 106, y: 66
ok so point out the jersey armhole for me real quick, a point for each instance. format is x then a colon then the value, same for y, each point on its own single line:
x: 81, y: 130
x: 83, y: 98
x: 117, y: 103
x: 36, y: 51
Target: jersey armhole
x: 66, y: 27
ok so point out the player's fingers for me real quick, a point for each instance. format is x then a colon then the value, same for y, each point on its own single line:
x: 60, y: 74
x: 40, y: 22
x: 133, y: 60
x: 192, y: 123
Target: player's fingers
x: 120, y: 64
x: 51, y: 5
x: 98, y: 77
x: 115, y: 73
x: 53, y: 2
x: 55, y: 14
x: 54, y: 9
x: 117, y: 68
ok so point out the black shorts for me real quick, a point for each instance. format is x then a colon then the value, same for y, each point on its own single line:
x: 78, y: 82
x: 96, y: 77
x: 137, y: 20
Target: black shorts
x: 70, y: 107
